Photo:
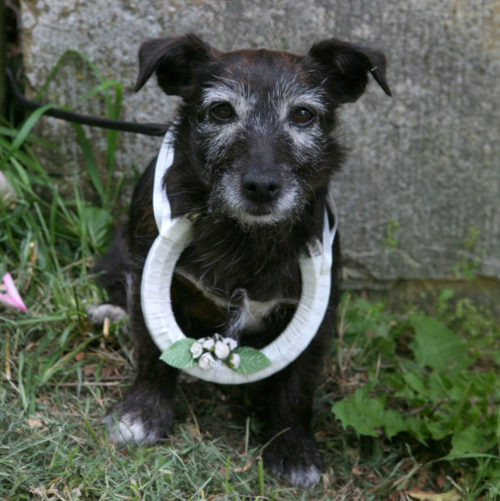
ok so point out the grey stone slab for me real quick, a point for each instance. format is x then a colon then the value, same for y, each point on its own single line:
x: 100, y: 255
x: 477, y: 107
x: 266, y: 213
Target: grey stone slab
x: 419, y: 194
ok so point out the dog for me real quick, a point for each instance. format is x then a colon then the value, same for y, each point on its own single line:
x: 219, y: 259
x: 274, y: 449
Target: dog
x: 255, y: 151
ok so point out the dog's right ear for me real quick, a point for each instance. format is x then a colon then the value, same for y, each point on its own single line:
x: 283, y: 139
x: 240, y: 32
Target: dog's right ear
x: 176, y: 61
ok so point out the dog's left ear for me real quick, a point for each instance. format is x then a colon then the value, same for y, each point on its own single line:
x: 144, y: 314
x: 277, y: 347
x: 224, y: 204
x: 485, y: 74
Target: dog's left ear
x: 347, y: 67
x: 176, y: 61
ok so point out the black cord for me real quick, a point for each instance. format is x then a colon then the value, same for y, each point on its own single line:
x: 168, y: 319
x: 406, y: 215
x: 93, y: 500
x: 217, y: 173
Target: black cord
x: 22, y: 103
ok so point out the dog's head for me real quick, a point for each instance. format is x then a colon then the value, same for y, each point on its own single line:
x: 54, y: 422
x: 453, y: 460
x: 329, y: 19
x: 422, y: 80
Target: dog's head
x: 257, y: 125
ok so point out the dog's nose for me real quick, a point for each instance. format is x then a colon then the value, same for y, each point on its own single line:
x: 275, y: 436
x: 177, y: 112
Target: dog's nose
x: 260, y: 188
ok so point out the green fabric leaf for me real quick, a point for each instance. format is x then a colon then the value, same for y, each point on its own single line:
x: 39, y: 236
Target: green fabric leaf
x: 251, y: 360
x: 178, y: 355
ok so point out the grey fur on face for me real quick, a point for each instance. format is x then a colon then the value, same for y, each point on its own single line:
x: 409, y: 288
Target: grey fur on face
x: 260, y: 116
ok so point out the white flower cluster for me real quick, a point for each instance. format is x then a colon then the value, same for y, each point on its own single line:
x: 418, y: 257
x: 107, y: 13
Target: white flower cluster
x: 212, y: 352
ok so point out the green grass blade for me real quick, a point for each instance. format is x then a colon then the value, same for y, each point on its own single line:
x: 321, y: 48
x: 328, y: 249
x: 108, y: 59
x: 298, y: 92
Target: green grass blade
x: 90, y: 162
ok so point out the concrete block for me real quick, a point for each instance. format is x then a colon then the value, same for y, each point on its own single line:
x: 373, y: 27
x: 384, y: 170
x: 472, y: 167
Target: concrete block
x: 419, y: 195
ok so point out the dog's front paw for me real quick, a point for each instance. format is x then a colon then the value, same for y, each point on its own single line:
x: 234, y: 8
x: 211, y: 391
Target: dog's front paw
x: 143, y: 417
x: 297, y: 462
x: 129, y: 429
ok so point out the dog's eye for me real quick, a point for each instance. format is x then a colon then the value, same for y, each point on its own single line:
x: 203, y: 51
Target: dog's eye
x: 222, y: 112
x: 303, y: 116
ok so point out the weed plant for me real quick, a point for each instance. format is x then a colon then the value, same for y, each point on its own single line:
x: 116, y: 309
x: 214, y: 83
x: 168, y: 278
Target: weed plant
x: 409, y: 405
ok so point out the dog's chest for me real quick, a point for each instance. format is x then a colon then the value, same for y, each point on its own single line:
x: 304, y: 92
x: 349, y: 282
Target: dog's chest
x: 238, y: 313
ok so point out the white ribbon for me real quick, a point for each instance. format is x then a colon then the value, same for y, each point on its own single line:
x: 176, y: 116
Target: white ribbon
x: 175, y: 234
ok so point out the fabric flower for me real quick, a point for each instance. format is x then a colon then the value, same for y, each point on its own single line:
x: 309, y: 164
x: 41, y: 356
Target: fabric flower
x: 221, y: 350
x: 232, y: 343
x: 12, y: 298
x: 196, y: 349
x: 207, y: 361
x: 234, y: 361
x: 208, y: 344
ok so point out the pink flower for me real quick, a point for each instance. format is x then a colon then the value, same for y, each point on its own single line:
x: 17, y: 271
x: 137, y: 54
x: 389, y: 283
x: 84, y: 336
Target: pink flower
x: 12, y: 298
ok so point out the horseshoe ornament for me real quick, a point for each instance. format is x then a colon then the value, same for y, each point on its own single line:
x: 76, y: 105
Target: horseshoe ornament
x: 175, y: 234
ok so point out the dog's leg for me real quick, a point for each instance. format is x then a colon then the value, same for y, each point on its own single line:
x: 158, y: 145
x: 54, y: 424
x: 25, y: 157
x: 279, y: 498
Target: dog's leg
x: 145, y: 415
x: 110, y: 271
x: 292, y: 453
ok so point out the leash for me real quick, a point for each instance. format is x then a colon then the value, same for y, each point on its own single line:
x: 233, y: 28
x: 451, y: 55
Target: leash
x: 22, y: 103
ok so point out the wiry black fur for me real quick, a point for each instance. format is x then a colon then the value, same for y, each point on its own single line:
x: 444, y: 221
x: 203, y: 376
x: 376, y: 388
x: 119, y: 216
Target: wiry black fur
x: 234, y: 259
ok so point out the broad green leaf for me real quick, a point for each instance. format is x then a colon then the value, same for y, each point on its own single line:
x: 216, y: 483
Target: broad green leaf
x: 178, y: 355
x: 438, y: 347
x: 439, y: 427
x: 393, y: 423
x: 368, y: 414
x: 414, y: 382
x: 363, y: 413
x: 251, y: 360
x: 470, y: 440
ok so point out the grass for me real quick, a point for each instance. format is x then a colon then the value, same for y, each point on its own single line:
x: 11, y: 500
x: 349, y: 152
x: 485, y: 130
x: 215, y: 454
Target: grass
x: 408, y: 407
x: 59, y: 376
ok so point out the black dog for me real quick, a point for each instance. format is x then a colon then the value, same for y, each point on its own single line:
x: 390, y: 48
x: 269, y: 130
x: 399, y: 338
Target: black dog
x: 255, y: 152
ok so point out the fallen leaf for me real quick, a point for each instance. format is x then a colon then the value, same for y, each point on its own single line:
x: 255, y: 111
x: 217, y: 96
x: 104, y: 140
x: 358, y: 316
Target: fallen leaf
x: 440, y: 481
x: 452, y: 495
x: 34, y: 422
x: 244, y: 468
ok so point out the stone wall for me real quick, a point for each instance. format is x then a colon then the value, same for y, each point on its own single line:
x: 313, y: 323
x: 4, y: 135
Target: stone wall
x: 419, y: 195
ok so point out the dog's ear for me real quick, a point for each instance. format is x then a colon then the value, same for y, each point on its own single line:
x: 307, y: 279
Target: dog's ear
x: 347, y: 67
x: 176, y: 61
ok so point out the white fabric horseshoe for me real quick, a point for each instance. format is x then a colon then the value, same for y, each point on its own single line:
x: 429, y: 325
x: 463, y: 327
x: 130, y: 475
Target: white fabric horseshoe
x: 175, y: 234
